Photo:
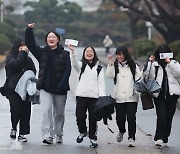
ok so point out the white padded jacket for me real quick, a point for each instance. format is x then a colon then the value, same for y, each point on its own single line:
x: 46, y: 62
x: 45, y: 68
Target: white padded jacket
x: 123, y: 90
x: 91, y: 84
x: 173, y: 74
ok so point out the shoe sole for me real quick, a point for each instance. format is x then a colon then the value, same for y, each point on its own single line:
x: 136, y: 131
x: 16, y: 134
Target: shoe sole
x: 131, y: 145
x: 46, y: 142
x: 93, y: 146
x: 59, y: 142
x: 80, y: 141
x: 22, y: 140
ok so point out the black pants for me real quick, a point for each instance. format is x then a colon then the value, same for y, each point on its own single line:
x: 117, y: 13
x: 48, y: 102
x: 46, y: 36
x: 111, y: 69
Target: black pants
x: 20, y: 112
x: 83, y: 105
x: 165, y: 111
x: 126, y: 111
x: 107, y: 50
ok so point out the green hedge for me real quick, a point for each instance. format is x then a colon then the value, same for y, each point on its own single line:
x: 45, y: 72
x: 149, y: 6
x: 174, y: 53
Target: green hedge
x: 5, y: 43
x: 9, y: 31
x: 175, y: 47
x: 143, y: 47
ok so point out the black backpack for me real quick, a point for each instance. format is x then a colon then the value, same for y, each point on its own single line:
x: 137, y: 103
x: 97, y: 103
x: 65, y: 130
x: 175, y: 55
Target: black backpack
x: 99, y: 68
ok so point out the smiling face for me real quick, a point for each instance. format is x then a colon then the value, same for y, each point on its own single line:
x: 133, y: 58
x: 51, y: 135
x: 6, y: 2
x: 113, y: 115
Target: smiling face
x: 52, y: 40
x: 89, y: 54
x: 120, y: 57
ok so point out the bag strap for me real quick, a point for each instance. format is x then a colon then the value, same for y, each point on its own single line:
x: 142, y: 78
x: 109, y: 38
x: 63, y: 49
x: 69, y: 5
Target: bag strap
x: 82, y: 70
x: 99, y: 68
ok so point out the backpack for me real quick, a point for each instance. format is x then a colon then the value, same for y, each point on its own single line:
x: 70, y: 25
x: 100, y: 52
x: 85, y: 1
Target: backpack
x: 99, y: 68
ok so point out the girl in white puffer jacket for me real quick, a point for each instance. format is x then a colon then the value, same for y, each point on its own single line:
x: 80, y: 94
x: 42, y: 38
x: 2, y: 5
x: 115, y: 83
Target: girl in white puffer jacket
x: 90, y: 87
x: 125, y: 72
x: 168, y: 76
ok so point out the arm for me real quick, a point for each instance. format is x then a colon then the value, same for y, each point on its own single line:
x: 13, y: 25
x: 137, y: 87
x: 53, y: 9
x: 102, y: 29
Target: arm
x: 31, y: 43
x: 64, y: 83
x: 138, y: 73
x: 15, y: 63
x: 175, y: 68
x: 110, y: 71
x: 75, y: 63
x: 101, y: 83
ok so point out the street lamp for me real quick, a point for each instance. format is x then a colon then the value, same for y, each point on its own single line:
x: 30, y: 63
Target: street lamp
x: 149, y: 25
x: 1, y: 3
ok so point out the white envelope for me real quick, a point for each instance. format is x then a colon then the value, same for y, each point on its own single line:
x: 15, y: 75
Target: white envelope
x: 71, y: 41
x: 166, y: 55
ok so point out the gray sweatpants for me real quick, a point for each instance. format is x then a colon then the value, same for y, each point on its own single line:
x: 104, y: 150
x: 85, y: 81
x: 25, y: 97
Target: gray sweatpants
x: 53, y: 114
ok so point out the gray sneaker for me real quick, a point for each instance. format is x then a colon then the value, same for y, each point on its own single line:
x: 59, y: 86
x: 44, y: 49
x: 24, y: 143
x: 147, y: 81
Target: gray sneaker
x: 59, y: 139
x: 120, y: 137
x: 13, y: 134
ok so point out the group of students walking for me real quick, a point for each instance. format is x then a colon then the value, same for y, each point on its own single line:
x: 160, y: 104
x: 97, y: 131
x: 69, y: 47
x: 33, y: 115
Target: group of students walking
x: 53, y: 83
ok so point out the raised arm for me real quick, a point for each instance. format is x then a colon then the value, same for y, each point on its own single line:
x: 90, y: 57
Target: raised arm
x: 75, y: 63
x: 31, y: 43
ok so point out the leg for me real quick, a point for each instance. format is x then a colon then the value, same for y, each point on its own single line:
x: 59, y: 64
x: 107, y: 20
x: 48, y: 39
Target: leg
x: 47, y: 119
x: 170, y: 111
x: 131, y: 118
x: 107, y: 50
x: 161, y: 119
x: 58, y: 112
x: 92, y: 120
x: 15, y: 108
x: 81, y: 109
x: 25, y: 118
x: 121, y: 116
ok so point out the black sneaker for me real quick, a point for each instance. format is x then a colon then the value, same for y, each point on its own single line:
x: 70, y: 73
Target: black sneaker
x: 80, y: 137
x: 13, y: 134
x: 48, y: 140
x: 93, y: 143
x: 21, y: 138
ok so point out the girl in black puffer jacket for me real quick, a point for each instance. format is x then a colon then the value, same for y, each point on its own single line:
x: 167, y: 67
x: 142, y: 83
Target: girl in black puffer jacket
x: 17, y: 62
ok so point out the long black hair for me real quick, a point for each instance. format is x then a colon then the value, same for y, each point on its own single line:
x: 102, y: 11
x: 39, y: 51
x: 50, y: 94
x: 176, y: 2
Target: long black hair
x: 15, y: 48
x: 85, y: 61
x: 161, y: 49
x: 130, y: 61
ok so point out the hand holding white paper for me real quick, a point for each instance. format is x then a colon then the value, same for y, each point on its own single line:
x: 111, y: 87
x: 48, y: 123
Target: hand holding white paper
x: 71, y: 42
x: 166, y: 55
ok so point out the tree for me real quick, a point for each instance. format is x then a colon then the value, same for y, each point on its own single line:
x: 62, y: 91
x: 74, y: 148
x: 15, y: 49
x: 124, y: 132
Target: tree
x: 9, y: 31
x: 133, y: 19
x: 48, y: 11
x: 163, y: 14
x: 5, y: 43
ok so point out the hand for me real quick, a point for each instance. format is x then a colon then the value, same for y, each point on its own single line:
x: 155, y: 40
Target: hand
x: 71, y: 48
x: 111, y: 59
x: 167, y: 60
x: 31, y: 25
x: 24, y: 48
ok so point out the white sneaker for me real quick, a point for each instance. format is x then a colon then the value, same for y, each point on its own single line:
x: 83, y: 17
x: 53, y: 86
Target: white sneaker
x: 159, y: 143
x: 131, y: 143
x: 119, y: 137
x: 165, y: 145
x: 93, y: 143
x: 59, y: 139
